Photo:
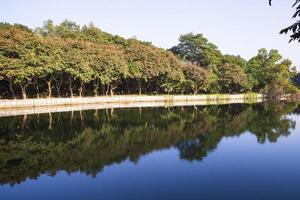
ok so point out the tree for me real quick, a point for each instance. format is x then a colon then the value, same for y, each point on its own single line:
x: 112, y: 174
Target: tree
x: 76, y: 65
x: 198, y: 79
x: 268, y: 71
x: 50, y: 63
x: 294, y: 28
x: 7, y: 73
x: 93, y: 34
x: 281, y: 82
x: 173, y: 74
x: 69, y: 29
x: 232, y: 75
x: 85, y: 59
x: 231, y: 78
x: 109, y: 65
x: 236, y: 60
x: 260, y: 68
x: 146, y: 63
x: 20, y: 52
x: 47, y: 30
x: 196, y: 49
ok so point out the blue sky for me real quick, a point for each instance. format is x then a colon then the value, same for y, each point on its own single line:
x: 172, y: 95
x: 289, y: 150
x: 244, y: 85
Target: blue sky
x: 235, y: 26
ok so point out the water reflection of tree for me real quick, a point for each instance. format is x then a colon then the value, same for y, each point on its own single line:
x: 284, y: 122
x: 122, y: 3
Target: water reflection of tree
x: 87, y: 141
x: 267, y: 122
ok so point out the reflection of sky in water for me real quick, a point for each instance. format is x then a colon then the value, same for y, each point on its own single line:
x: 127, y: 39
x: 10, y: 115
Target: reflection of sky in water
x: 239, y: 168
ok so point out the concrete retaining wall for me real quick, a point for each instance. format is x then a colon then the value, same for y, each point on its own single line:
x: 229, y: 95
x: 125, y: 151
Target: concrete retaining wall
x: 20, y: 103
x: 37, y: 106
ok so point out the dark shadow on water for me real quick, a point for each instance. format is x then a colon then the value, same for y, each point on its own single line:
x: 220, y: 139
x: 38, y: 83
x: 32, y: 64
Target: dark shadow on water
x: 86, y: 141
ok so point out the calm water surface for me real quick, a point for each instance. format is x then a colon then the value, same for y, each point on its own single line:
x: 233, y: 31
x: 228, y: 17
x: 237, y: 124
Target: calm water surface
x: 206, y: 152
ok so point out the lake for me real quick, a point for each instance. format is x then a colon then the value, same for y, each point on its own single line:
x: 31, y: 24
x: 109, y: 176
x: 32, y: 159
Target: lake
x: 238, y: 151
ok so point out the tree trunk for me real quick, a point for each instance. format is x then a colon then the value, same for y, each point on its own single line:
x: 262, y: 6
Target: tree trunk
x: 111, y: 91
x: 49, y: 88
x: 58, y: 90
x: 58, y: 85
x: 107, y: 90
x: 81, y: 89
x: 196, y: 90
x: 96, y: 86
x: 70, y: 87
x: 11, y: 88
x: 37, y: 90
x: 23, y: 91
x: 140, y: 87
x: 103, y: 89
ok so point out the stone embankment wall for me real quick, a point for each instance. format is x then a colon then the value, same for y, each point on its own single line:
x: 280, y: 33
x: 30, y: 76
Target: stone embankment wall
x: 35, y: 106
x: 19, y: 103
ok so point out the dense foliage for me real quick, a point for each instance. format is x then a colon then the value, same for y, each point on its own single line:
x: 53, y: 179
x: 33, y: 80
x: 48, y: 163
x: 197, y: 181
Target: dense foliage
x: 266, y: 72
x: 69, y: 60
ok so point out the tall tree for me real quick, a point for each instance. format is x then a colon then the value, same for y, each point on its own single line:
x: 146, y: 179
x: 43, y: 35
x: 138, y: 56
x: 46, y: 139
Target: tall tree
x: 109, y: 67
x: 196, y: 49
x: 76, y: 65
x: 52, y: 61
x: 20, y: 51
x: 281, y: 82
x: 265, y: 70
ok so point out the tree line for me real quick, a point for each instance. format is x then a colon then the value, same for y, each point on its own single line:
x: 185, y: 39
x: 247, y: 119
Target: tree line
x: 68, y: 60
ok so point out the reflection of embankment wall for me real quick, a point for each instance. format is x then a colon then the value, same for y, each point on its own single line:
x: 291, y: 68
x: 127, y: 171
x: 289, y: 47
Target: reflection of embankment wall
x: 34, y: 106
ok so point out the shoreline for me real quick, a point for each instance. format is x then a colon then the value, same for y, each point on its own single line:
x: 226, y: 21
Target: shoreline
x: 24, y: 103
x: 39, y: 106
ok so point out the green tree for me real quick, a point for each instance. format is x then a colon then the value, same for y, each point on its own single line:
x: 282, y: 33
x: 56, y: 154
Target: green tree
x: 76, y: 65
x: 260, y: 69
x: 20, y: 52
x: 295, y: 27
x: 231, y: 78
x: 85, y: 59
x: 269, y: 72
x: 236, y: 60
x: 109, y: 65
x: 281, y: 82
x: 231, y: 75
x: 196, y: 49
x: 146, y: 63
x: 47, y: 30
